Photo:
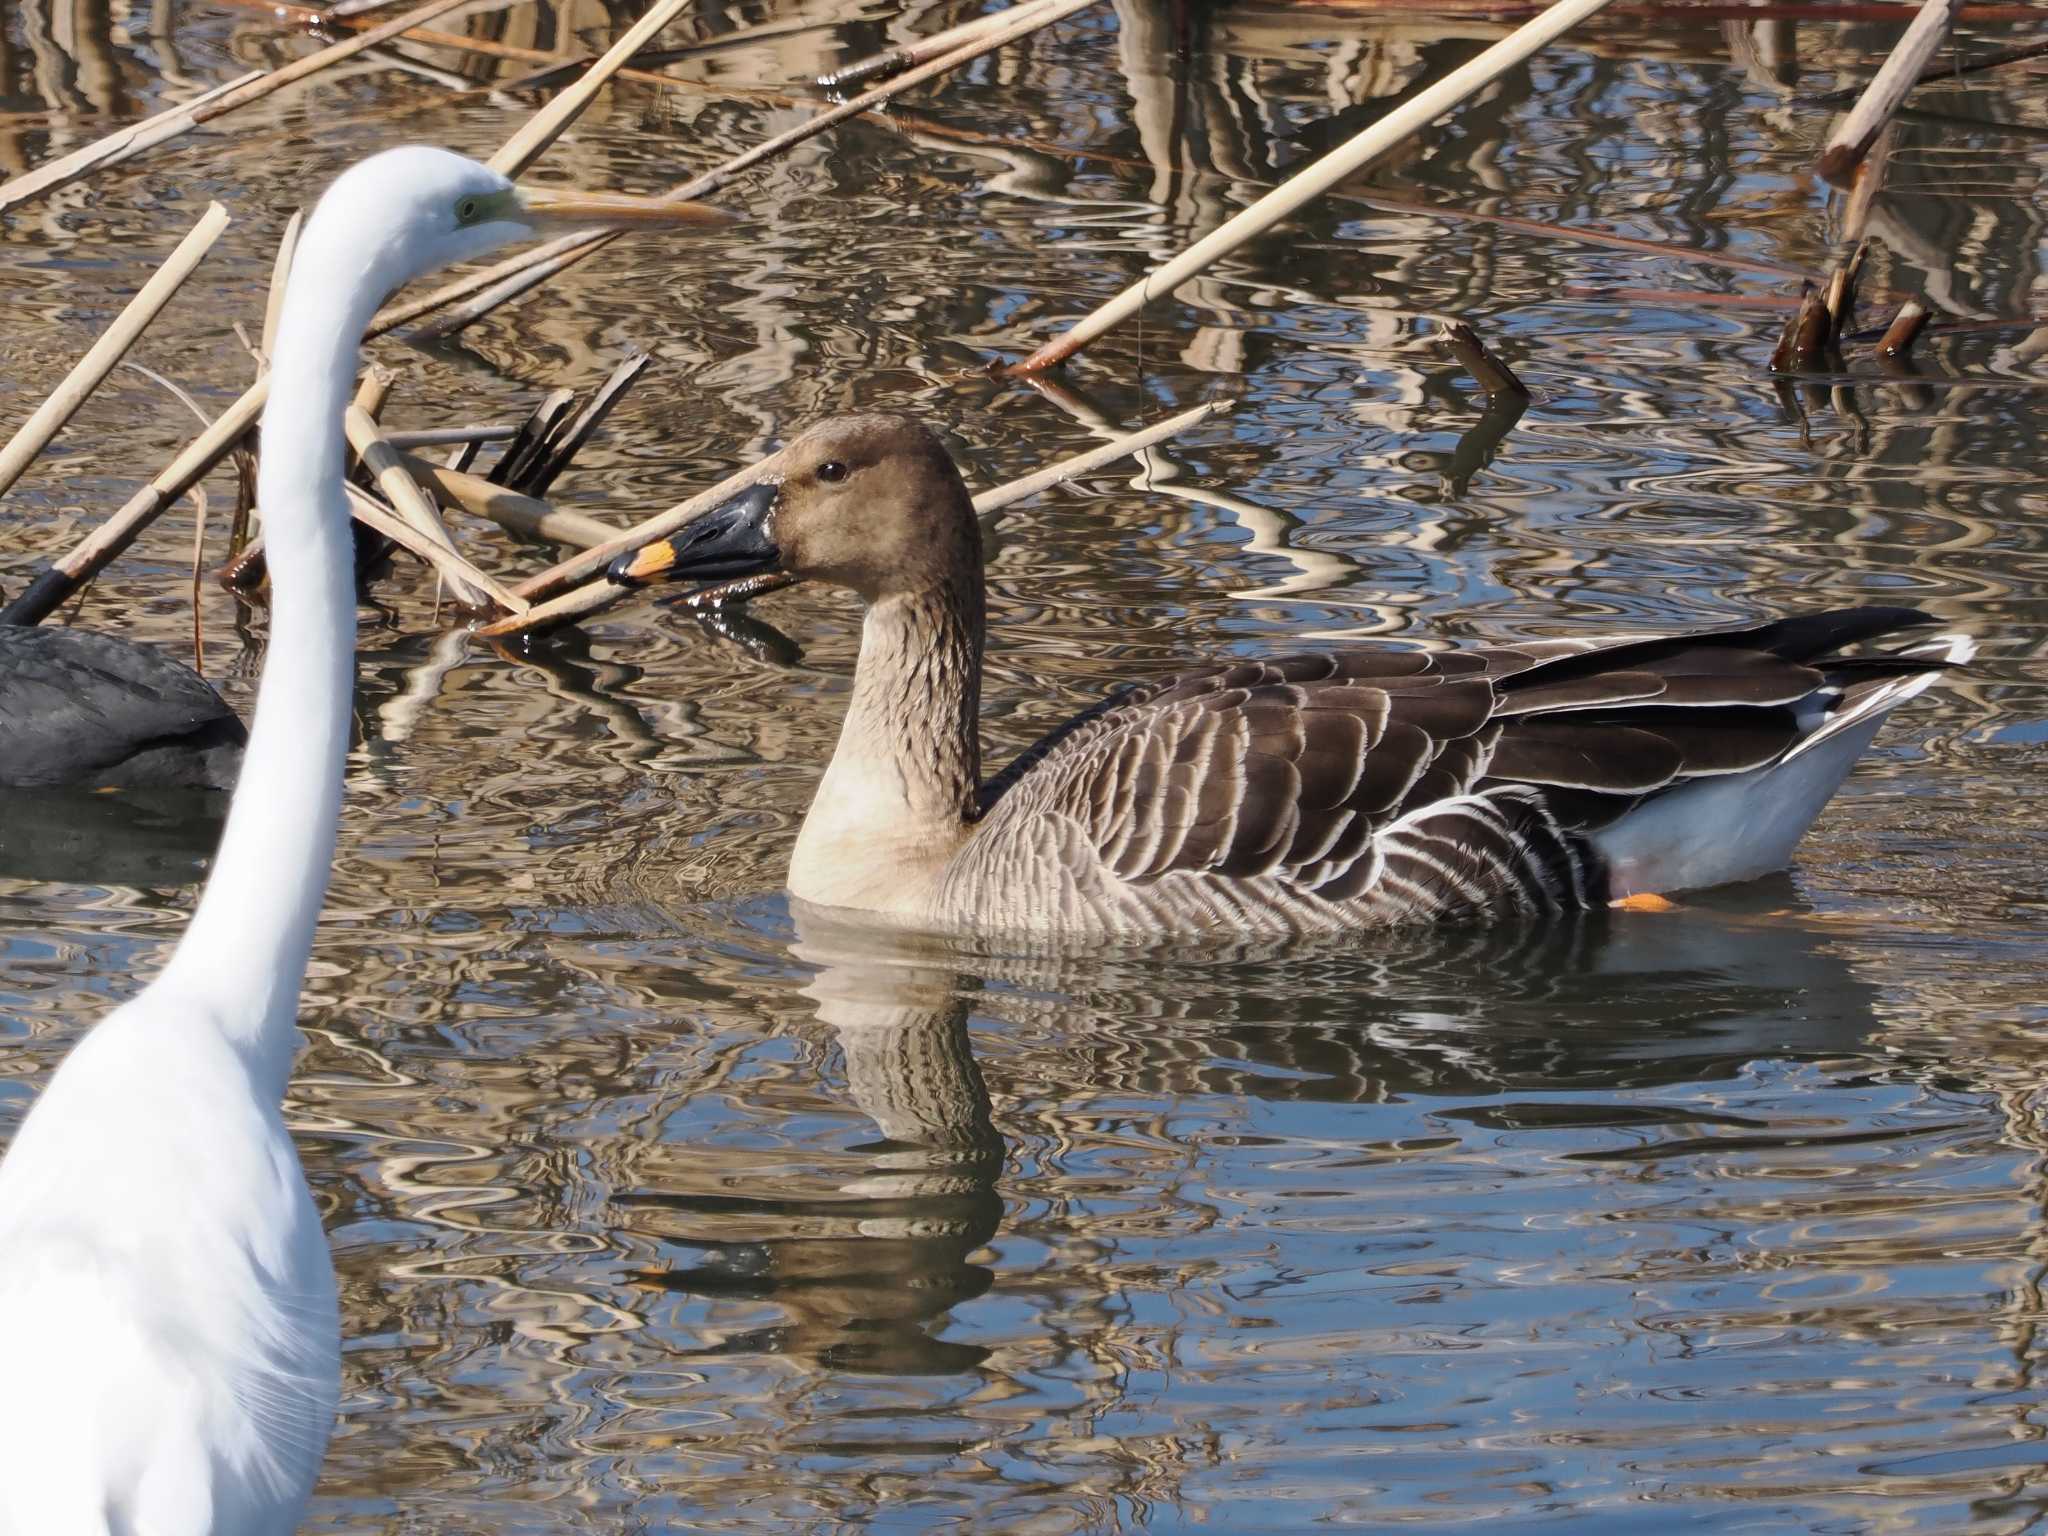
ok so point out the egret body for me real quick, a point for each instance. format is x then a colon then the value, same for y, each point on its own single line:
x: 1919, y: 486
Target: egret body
x: 169, y: 1333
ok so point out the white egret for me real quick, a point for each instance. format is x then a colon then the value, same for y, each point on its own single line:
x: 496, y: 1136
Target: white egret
x: 169, y: 1336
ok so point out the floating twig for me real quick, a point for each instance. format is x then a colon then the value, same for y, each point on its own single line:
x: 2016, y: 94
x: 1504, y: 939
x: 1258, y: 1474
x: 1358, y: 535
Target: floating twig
x: 509, y: 279
x: 580, y: 601
x: 35, y: 434
x: 132, y: 141
x: 1404, y: 121
x: 1853, y: 136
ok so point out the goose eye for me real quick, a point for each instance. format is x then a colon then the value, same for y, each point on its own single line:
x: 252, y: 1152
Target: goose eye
x: 832, y: 471
x: 467, y: 210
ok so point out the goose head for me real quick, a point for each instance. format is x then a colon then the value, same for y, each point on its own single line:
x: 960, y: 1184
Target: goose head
x: 872, y: 502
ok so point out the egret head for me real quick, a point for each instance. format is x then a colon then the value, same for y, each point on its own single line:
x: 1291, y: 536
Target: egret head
x: 407, y: 212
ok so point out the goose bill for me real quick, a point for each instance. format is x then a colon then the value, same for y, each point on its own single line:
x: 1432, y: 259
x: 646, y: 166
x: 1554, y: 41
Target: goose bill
x: 735, y: 538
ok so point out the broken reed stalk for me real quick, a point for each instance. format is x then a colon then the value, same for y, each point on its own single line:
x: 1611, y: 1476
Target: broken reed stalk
x: 509, y: 279
x: 41, y: 597
x: 1406, y: 120
x: 1853, y: 136
x: 590, y: 597
x: 449, y: 565
x: 79, y: 565
x: 411, y: 503
x: 1492, y: 375
x: 130, y: 142
x: 905, y: 55
x: 547, y: 125
x: 101, y: 358
x: 528, y: 516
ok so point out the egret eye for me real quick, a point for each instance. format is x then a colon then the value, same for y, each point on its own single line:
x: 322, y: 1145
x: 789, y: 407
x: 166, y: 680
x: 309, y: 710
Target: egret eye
x: 468, y: 210
x: 832, y: 471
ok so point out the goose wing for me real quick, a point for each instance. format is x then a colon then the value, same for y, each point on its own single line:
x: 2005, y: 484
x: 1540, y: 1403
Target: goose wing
x: 76, y: 702
x: 1444, y: 781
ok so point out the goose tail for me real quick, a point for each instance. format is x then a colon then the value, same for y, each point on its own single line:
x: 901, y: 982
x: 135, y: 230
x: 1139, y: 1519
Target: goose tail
x: 1714, y: 831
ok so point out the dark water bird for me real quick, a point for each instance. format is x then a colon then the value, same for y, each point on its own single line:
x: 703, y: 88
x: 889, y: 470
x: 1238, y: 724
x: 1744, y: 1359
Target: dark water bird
x: 82, y: 708
x: 1345, y: 788
x: 169, y: 1323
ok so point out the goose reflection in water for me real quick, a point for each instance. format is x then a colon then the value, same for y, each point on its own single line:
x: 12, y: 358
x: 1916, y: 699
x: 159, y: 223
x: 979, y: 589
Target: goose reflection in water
x: 866, y: 1265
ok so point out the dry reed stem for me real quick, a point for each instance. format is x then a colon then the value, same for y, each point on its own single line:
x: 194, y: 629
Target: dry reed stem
x: 72, y: 570
x: 581, y: 601
x: 1402, y: 123
x: 1853, y: 136
x: 91, y: 370
x: 525, y: 515
x: 906, y: 55
x: 449, y: 565
x: 409, y: 501
x: 129, y: 142
x: 280, y: 274
x: 547, y: 125
x: 510, y: 278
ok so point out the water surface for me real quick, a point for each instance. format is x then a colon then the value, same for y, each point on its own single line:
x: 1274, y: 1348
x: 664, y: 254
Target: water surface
x: 658, y: 1206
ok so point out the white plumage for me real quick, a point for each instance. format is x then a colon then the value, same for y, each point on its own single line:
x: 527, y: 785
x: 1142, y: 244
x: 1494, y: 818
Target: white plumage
x: 169, y: 1334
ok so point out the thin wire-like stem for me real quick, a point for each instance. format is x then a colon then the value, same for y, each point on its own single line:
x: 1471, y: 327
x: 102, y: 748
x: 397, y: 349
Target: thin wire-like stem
x: 35, y: 434
x: 1406, y: 120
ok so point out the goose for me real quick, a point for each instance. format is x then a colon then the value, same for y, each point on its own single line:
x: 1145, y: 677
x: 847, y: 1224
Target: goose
x: 101, y: 711
x: 169, y: 1327
x: 1319, y: 792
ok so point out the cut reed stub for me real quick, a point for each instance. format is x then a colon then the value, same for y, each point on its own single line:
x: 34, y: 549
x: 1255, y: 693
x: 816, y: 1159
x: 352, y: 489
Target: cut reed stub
x: 1487, y: 370
x: 1803, y: 344
x: 1899, y: 336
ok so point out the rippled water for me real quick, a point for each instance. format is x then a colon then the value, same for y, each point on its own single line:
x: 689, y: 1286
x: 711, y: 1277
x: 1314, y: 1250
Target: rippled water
x: 658, y: 1206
